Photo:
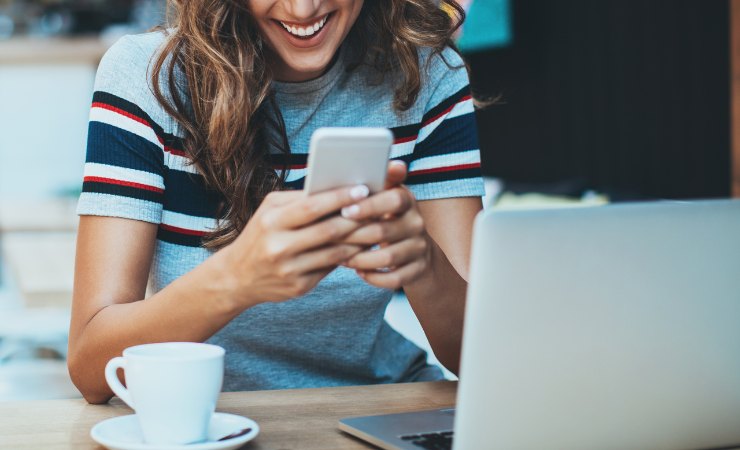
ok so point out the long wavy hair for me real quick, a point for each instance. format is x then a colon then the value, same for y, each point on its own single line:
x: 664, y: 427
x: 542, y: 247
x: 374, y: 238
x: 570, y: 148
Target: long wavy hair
x: 218, y: 88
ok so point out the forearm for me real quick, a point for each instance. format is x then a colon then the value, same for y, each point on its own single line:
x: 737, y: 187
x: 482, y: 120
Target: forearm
x: 192, y: 308
x: 438, y: 299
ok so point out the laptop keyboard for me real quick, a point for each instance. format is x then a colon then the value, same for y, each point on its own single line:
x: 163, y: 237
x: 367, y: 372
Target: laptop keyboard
x: 441, y: 440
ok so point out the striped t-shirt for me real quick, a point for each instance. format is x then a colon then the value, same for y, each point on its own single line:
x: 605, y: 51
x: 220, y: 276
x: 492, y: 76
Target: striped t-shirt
x: 335, y: 334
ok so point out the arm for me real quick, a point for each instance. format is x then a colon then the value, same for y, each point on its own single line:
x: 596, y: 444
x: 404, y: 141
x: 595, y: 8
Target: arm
x: 284, y: 251
x: 438, y: 295
x: 110, y: 275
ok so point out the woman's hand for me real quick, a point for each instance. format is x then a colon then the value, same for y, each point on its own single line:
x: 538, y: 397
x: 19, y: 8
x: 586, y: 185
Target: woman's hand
x: 394, y: 224
x: 291, y: 243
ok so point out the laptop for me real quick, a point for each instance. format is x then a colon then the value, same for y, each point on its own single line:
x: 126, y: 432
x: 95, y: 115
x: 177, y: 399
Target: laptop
x: 593, y: 328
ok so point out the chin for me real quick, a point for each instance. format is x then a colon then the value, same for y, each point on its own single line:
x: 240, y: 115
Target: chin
x: 312, y: 66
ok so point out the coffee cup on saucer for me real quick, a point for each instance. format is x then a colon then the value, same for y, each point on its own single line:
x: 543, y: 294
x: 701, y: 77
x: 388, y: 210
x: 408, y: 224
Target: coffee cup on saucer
x: 172, y: 386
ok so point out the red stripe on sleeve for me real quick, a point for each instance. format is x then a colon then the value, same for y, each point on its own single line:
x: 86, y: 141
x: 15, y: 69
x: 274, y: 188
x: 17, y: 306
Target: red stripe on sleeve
x: 174, y: 151
x: 124, y: 183
x: 121, y: 112
x: 403, y: 140
x: 445, y: 169
x: 293, y: 167
x: 182, y: 230
x: 446, y: 111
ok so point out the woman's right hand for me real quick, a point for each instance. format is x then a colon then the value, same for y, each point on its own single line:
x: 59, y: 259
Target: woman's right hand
x: 290, y: 244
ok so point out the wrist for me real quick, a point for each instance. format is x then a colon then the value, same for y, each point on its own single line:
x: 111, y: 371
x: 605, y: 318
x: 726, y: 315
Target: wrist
x: 227, y: 285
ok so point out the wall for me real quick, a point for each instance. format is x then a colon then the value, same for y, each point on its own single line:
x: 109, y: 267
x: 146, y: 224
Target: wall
x: 630, y: 97
x: 43, y: 127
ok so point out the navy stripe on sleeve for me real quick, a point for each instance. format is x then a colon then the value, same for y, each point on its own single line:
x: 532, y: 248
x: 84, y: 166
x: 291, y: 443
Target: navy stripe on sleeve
x: 192, y: 196
x: 446, y: 103
x: 140, y: 154
x: 405, y: 133
x: 173, y: 237
x: 451, y: 136
x: 447, y: 175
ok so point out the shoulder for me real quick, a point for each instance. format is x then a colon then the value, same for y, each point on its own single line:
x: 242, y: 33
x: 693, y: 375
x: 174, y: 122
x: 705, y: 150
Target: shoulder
x: 441, y: 64
x: 135, y: 46
x: 444, y: 75
x: 123, y: 79
x: 128, y: 59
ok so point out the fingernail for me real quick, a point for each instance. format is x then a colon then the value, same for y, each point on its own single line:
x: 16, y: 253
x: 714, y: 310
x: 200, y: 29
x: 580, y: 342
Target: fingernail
x: 349, y: 212
x: 359, y: 192
x: 397, y: 162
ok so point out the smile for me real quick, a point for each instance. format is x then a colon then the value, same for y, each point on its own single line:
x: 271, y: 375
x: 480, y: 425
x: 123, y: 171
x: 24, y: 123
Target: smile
x: 304, y: 31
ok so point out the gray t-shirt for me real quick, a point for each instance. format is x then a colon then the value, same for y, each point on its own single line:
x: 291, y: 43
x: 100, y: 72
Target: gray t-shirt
x: 335, y: 334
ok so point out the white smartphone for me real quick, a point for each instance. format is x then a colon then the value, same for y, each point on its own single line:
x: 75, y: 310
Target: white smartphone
x: 341, y: 157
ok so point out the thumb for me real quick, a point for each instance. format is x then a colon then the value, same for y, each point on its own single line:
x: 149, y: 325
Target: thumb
x: 396, y: 174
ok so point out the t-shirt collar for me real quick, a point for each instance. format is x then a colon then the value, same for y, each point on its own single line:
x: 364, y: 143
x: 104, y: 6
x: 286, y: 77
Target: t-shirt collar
x: 326, y: 80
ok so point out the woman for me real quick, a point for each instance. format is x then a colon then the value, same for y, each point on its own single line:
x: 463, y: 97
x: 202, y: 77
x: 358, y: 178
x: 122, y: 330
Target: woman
x: 196, y: 154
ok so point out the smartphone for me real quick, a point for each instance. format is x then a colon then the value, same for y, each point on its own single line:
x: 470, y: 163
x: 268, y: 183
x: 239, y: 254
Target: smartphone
x: 341, y: 157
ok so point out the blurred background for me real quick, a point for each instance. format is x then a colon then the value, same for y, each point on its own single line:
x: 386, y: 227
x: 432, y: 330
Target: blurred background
x: 596, y: 101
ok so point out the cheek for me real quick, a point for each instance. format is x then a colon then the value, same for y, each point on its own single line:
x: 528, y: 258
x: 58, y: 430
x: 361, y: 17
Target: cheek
x: 259, y: 10
x: 356, y: 6
x: 259, y: 7
x: 267, y: 33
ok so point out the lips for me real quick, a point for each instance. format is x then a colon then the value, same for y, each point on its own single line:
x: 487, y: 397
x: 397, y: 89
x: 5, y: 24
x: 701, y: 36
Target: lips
x: 305, y: 30
x: 306, y: 34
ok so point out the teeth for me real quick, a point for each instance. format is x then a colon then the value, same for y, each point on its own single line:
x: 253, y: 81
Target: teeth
x: 308, y: 31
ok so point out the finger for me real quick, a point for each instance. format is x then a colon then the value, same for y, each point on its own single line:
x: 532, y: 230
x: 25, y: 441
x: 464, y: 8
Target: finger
x: 393, y: 201
x: 394, y: 279
x: 392, y: 230
x: 316, y: 260
x: 318, y: 275
x: 309, y: 281
x: 279, y: 198
x: 308, y: 209
x: 331, y: 230
x: 396, y: 173
x: 394, y: 255
x: 303, y: 284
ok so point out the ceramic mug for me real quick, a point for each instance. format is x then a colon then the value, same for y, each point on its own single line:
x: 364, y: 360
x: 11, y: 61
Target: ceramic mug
x: 172, y: 386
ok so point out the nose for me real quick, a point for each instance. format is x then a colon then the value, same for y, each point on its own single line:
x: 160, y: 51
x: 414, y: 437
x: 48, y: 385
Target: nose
x: 303, y: 9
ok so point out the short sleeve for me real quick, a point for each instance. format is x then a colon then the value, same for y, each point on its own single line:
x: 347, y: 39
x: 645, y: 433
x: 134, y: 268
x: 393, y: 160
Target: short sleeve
x: 446, y: 159
x: 124, y: 166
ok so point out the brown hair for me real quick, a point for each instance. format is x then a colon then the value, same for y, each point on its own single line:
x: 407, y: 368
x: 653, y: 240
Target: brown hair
x: 226, y: 109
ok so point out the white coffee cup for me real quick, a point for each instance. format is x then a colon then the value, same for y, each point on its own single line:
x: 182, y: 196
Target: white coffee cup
x: 172, y: 386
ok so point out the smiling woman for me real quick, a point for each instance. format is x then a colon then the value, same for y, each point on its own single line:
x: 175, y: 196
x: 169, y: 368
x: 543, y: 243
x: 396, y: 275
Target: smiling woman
x: 197, y: 144
x: 230, y: 52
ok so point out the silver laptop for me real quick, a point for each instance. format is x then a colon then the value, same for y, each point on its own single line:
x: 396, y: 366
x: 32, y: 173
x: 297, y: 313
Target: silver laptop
x: 595, y: 328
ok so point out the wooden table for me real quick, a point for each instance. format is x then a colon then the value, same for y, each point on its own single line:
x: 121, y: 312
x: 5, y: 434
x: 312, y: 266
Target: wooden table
x: 304, y: 419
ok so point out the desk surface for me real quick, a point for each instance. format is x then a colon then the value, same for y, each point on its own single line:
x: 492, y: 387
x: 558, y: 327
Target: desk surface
x: 303, y: 419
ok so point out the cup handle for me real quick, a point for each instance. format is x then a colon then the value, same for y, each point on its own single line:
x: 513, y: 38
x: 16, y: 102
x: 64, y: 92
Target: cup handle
x: 115, y: 384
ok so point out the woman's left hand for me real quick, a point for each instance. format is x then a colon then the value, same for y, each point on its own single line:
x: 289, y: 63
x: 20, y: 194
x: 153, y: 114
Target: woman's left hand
x: 402, y: 249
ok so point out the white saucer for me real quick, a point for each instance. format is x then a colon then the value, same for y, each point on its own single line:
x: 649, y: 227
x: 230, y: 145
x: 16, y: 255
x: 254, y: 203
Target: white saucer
x: 123, y: 433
